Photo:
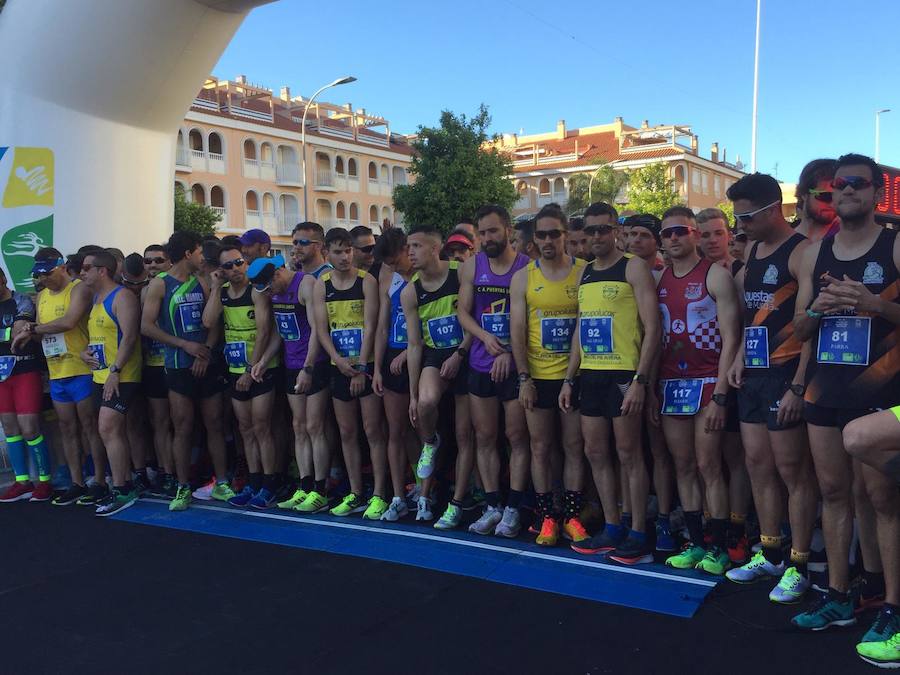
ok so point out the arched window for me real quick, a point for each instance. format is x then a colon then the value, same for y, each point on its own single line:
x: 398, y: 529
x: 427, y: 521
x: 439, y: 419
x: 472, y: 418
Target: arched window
x: 373, y: 214
x: 351, y: 168
x: 217, y: 197
x: 340, y: 211
x: 215, y: 143
x: 198, y: 193
x: 373, y: 171
x: 354, y: 212
x: 559, y: 186
x: 196, y: 139
x: 339, y: 166
x: 251, y: 201
x: 544, y: 188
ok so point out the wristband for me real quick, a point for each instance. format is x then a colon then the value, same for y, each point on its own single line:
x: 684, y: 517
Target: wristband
x: 812, y: 314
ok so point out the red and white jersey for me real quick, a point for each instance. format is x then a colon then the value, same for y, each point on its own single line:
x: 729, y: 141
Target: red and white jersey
x: 690, y: 324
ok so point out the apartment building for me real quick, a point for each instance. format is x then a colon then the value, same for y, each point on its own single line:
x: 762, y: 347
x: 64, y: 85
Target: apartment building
x: 239, y: 151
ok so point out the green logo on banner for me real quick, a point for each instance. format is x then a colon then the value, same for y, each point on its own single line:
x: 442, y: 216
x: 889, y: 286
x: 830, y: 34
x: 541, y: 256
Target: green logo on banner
x: 19, y: 244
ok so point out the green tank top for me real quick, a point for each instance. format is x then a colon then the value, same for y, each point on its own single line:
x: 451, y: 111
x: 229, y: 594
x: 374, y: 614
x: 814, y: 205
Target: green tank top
x: 240, y: 330
x: 437, y: 311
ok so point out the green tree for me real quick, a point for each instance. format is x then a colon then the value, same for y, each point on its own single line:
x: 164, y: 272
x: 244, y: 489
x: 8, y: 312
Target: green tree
x: 651, y: 190
x: 607, y: 182
x: 193, y: 217
x: 455, y: 172
x: 728, y: 209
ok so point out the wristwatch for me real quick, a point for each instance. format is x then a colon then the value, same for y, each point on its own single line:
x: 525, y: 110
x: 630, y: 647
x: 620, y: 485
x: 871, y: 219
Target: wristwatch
x: 463, y: 353
x: 524, y: 377
x: 798, y: 389
x: 114, y: 369
x: 359, y: 367
x: 309, y: 369
x: 720, y: 399
x: 569, y: 381
x: 641, y: 379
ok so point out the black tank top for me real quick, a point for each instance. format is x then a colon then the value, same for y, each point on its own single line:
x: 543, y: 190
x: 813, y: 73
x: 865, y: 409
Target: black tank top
x: 847, y: 369
x: 770, y: 295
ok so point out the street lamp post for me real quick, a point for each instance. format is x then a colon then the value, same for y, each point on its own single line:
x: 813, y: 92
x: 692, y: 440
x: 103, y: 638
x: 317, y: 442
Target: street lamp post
x: 878, y: 132
x: 339, y: 81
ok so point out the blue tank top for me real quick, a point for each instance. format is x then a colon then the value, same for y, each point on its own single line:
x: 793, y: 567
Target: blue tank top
x: 181, y: 315
x: 397, y: 330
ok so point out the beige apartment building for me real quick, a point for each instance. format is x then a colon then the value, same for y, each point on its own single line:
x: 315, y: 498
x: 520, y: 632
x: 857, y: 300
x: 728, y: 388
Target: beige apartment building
x: 239, y: 151
x: 544, y: 163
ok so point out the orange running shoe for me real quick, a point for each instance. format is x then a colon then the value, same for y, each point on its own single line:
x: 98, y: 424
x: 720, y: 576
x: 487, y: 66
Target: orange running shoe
x: 574, y: 531
x: 549, y: 532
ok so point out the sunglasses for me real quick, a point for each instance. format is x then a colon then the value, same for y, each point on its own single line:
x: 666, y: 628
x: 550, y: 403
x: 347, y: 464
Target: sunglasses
x: 237, y: 262
x: 594, y: 230
x: 675, y: 231
x: 748, y: 216
x: 40, y: 275
x: 742, y: 237
x: 365, y: 249
x: 856, y: 182
x: 154, y: 261
x: 547, y: 234
x: 823, y: 196
x: 306, y: 242
x: 132, y: 282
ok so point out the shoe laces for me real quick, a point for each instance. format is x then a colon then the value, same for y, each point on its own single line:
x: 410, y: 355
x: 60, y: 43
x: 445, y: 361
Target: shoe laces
x: 883, y: 621
x: 820, y: 604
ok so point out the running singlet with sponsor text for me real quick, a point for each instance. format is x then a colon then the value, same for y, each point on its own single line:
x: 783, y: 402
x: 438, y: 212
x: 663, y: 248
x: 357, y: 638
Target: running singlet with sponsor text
x: 490, y: 306
x: 437, y: 311
x: 610, y: 328
x: 397, y: 337
x: 18, y: 307
x: 292, y: 324
x: 239, y: 318
x: 105, y: 337
x: 181, y: 315
x: 63, y: 350
x: 346, y: 317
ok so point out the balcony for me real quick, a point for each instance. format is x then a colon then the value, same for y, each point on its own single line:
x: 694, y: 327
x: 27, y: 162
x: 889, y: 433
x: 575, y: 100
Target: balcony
x: 288, y: 175
x: 325, y: 180
x: 182, y: 160
x: 544, y: 199
x: 560, y: 198
x: 268, y: 220
x: 223, y: 217
x: 198, y: 160
x: 252, y: 219
x: 523, y: 203
x: 287, y: 220
x: 251, y: 168
x: 267, y: 170
x: 216, y: 163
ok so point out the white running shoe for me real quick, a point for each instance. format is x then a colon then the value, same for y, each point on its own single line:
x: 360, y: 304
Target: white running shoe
x: 425, y: 467
x: 510, y: 524
x: 488, y: 522
x: 757, y: 568
x: 791, y: 588
x: 205, y: 493
x: 423, y: 509
x: 395, y: 511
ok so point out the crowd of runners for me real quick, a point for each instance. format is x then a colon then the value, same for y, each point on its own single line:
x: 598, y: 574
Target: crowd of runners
x: 717, y: 395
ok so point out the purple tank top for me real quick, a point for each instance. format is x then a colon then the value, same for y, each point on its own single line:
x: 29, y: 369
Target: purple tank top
x: 491, y: 306
x: 290, y: 318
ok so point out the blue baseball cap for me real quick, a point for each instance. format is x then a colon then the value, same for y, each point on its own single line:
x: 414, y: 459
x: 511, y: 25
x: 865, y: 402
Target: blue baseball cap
x: 262, y: 270
x: 46, y: 265
x: 255, y: 236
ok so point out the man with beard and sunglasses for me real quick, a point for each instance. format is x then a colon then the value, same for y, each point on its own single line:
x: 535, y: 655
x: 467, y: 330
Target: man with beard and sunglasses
x: 308, y: 239
x: 156, y: 260
x: 818, y: 219
x: 483, y: 312
x: 849, y: 308
x: 364, y: 250
x: 543, y: 311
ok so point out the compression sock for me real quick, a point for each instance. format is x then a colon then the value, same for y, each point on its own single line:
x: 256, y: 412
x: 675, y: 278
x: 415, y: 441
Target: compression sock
x: 15, y: 448
x: 694, y: 526
x: 41, y: 457
x: 573, y: 501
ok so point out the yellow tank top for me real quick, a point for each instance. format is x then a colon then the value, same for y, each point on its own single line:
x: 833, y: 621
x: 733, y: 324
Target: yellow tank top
x: 105, y: 337
x: 610, y: 327
x: 63, y: 350
x: 552, y: 310
x: 345, y: 315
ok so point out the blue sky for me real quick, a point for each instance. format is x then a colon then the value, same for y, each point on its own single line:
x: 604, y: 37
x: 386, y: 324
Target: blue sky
x: 825, y: 66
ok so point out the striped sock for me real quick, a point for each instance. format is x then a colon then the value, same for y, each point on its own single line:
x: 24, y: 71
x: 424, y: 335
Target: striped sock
x: 41, y: 457
x: 15, y: 447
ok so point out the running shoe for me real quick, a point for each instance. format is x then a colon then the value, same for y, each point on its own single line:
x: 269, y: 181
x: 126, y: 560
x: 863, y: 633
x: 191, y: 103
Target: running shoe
x: 738, y: 550
x: 314, y: 503
x: 549, y: 534
x: 665, y: 542
x: 204, y: 493
x: 602, y: 542
x: 885, y: 625
x: 141, y: 484
x: 93, y: 495
x: 423, y: 508
x: 222, y: 492
x: 510, y: 524
x: 297, y: 498
x: 884, y: 654
x: 758, y: 568
x: 119, y: 502
x: 242, y: 498
x: 70, y: 496
x: 687, y: 558
x: 488, y: 522
x: 633, y: 552
x: 395, y: 511
x: 412, y: 496
x: 349, y: 505
x: 475, y: 499
x: 451, y: 518
x: 425, y: 467
x: 862, y: 601
x: 376, y: 508
x: 17, y: 492
x: 43, y: 492
x: 263, y: 499
x: 62, y: 478
x: 824, y: 613
x: 790, y: 589
x: 573, y: 530
x: 182, y: 499
x: 716, y: 561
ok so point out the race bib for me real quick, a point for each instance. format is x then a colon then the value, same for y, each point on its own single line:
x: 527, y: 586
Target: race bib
x: 7, y: 363
x: 497, y: 325
x: 157, y: 349
x: 445, y: 331
x: 756, y: 347
x: 597, y: 335
x: 99, y: 352
x: 191, y: 316
x: 54, y: 344
x: 288, y: 328
x: 236, y: 354
x: 844, y: 340
x: 556, y: 334
x: 398, y: 330
x: 682, y: 397
x: 347, y: 341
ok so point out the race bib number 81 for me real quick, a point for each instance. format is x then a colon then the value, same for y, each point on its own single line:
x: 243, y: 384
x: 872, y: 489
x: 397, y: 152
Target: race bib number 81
x: 844, y: 340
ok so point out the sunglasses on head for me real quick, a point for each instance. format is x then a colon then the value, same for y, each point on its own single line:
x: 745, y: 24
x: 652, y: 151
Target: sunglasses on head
x: 237, y: 262
x: 154, y: 261
x: 365, y: 249
x: 856, y: 182
x: 594, y: 230
x: 749, y: 215
x: 547, y: 234
x: 305, y: 242
x: 675, y: 231
x: 823, y: 196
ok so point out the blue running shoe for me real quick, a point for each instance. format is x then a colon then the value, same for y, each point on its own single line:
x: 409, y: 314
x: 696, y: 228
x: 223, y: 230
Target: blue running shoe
x: 825, y: 613
x: 263, y: 499
x: 242, y: 498
x: 887, y: 623
x: 664, y: 539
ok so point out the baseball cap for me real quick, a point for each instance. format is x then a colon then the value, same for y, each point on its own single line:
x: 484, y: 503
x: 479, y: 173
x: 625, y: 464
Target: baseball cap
x: 262, y: 270
x: 255, y: 236
x: 46, y: 265
x: 459, y: 239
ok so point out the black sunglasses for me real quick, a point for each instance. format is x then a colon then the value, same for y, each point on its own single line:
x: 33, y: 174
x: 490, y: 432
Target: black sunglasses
x: 594, y: 230
x: 154, y: 261
x: 856, y: 182
x: 675, y: 231
x: 823, y: 196
x: 742, y: 237
x: 547, y: 234
x: 305, y: 242
x: 365, y: 249
x: 237, y: 262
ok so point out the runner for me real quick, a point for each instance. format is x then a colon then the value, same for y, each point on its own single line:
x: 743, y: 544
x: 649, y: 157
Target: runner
x: 768, y: 373
x: 615, y: 343
x: 247, y: 319
x: 364, y: 249
x: 700, y: 338
x: 848, y: 283
x: 543, y: 312
x: 436, y: 357
x: 458, y: 247
x: 345, y: 301
x: 156, y: 260
x: 715, y: 239
x: 173, y: 316
x: 814, y: 193
x: 578, y: 243
x: 483, y: 312
x: 308, y: 239
x: 113, y: 354
x: 523, y: 239
x: 62, y: 308
x: 21, y: 399
x: 255, y: 244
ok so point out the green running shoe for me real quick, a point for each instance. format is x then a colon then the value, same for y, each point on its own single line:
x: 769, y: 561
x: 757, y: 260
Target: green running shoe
x: 349, y: 505
x: 884, y: 654
x: 791, y: 588
x: 182, y: 499
x: 222, y: 492
x: 313, y: 503
x: 377, y: 507
x: 119, y: 501
x: 295, y: 500
x: 886, y: 624
x: 451, y: 518
x: 716, y: 561
x: 425, y: 467
x: 825, y: 613
x: 688, y: 558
